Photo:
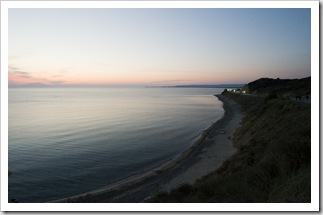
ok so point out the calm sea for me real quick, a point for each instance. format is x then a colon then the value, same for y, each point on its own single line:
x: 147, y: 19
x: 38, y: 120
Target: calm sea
x: 67, y: 141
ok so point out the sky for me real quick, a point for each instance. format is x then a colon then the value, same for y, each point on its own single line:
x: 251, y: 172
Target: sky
x: 89, y: 47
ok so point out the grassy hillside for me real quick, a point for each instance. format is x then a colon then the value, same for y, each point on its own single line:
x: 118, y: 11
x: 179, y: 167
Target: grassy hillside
x: 272, y: 163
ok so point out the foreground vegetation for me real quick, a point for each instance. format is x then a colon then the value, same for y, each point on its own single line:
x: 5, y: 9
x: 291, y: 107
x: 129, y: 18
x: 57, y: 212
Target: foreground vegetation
x: 272, y: 162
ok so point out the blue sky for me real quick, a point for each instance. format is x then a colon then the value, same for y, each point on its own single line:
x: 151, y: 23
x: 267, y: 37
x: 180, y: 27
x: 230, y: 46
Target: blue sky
x: 156, y: 46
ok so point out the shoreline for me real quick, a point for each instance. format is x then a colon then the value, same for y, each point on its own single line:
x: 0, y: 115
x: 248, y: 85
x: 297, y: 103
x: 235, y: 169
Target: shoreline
x: 177, y: 171
x: 216, y: 148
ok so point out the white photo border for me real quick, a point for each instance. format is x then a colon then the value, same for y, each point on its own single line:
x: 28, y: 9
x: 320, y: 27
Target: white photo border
x: 313, y: 206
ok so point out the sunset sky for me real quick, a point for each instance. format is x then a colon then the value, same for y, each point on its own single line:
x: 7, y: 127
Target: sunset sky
x: 157, y: 46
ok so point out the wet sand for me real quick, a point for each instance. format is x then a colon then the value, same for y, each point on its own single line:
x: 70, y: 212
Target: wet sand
x: 207, y: 154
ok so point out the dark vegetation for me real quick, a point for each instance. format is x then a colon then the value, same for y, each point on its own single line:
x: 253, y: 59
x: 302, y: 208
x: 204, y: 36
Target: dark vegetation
x: 273, y: 158
x: 281, y: 87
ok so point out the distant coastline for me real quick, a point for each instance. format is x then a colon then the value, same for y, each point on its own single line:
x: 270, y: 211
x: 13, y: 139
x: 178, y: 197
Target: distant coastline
x: 204, y: 86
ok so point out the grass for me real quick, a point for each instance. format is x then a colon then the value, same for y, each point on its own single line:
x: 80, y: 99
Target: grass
x: 272, y: 163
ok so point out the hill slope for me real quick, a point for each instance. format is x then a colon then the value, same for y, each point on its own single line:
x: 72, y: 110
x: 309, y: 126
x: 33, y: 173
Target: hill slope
x: 273, y: 160
x: 289, y: 87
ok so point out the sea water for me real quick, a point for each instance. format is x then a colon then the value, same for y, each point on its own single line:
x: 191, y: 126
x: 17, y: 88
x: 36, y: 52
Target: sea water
x: 67, y: 141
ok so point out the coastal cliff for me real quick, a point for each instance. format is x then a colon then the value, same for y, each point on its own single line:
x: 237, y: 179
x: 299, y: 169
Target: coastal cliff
x: 273, y: 158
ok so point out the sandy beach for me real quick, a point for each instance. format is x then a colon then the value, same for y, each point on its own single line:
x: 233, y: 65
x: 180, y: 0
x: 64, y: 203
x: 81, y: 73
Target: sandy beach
x: 207, y: 154
x: 217, y: 147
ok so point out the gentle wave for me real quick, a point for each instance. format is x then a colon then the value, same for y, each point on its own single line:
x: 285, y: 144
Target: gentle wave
x: 66, y: 142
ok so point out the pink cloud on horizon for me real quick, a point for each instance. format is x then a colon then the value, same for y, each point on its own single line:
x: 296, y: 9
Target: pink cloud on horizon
x: 16, y: 79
